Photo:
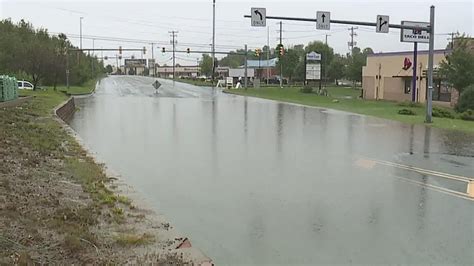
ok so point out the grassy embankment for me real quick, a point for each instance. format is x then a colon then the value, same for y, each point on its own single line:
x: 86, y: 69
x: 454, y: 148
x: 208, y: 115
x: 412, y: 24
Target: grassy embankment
x: 347, y: 100
x: 57, y: 205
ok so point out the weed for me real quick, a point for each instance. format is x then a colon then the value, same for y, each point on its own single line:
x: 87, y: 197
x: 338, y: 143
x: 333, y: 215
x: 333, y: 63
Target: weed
x: 124, y: 200
x: 134, y: 240
x: 406, y: 112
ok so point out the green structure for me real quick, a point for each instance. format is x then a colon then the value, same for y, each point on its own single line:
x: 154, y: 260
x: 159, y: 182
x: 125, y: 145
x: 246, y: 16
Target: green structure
x: 8, y: 88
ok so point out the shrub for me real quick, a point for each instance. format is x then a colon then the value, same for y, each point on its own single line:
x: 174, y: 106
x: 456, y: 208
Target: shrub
x: 409, y: 104
x: 468, y: 115
x: 406, y: 112
x: 443, y: 113
x: 306, y: 89
x: 466, y: 101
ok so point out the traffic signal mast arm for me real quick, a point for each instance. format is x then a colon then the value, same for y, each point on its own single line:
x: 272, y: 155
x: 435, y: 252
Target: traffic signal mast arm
x: 347, y: 22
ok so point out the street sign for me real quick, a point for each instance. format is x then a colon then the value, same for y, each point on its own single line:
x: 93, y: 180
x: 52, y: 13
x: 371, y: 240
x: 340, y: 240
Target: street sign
x: 409, y: 35
x: 382, y: 24
x: 259, y: 17
x: 156, y: 85
x: 323, y: 20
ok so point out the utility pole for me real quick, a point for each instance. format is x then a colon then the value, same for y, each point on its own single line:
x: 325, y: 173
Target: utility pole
x: 80, y: 31
x: 429, y: 110
x: 213, y: 40
x: 245, y: 64
x: 268, y: 54
x: 352, y: 34
x: 173, y: 35
x: 281, y: 65
x: 153, y: 57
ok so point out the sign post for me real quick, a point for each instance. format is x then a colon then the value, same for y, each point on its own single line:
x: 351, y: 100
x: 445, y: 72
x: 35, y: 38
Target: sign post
x: 415, y: 64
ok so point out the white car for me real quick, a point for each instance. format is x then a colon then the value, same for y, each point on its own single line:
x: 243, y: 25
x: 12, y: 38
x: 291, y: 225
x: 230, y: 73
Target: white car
x: 25, y: 85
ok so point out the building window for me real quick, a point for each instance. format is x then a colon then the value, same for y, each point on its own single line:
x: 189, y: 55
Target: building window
x: 407, y: 86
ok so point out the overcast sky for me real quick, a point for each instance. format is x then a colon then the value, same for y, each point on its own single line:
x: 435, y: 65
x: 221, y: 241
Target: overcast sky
x: 151, y: 20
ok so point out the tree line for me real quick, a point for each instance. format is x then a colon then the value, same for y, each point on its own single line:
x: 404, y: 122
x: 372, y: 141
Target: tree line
x: 35, y: 55
x: 335, y: 66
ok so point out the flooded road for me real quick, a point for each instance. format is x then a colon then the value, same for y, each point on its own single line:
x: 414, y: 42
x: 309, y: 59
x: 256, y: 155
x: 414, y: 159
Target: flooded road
x: 256, y: 182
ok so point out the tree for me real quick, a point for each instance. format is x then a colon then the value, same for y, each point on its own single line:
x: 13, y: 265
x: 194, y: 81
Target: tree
x: 109, y: 69
x: 357, y: 60
x: 290, y: 61
x: 35, y: 55
x: 206, y: 65
x: 337, y: 68
x: 458, y: 68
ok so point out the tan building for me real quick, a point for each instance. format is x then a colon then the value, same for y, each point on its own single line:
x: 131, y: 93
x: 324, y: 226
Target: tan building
x: 387, y: 77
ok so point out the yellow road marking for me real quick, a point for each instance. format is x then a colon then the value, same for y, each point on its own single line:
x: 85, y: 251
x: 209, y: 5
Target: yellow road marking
x: 424, y: 171
x: 470, y: 188
x: 470, y: 182
x: 438, y: 189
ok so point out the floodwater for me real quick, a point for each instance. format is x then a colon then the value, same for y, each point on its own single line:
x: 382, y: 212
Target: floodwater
x: 256, y: 182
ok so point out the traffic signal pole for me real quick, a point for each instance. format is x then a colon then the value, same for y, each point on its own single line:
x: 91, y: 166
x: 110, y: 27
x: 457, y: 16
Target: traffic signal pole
x: 245, y: 71
x: 430, y: 29
x: 281, y: 63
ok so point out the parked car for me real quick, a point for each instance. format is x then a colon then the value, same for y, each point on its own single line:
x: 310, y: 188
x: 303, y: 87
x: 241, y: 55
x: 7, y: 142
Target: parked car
x: 25, y: 85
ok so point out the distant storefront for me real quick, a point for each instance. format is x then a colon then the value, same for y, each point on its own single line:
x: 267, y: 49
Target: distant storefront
x: 389, y: 76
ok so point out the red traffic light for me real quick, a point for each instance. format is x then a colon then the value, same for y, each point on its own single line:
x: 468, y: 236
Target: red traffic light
x: 188, y: 50
x: 120, y: 49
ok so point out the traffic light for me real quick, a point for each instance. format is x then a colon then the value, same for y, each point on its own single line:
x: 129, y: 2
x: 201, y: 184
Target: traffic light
x: 257, y: 52
x: 120, y: 49
x: 163, y: 50
x: 188, y: 50
x: 144, y: 50
x: 106, y: 58
x: 282, y: 50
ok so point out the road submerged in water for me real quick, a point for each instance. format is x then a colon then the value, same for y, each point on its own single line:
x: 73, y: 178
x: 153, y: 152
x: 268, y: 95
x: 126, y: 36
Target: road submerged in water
x: 254, y: 181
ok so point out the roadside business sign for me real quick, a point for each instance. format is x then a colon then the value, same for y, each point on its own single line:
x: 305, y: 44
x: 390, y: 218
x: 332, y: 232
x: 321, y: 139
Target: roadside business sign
x: 415, y: 35
x: 313, y: 56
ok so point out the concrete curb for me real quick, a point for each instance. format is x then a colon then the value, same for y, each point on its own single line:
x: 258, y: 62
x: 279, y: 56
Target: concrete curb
x: 188, y: 252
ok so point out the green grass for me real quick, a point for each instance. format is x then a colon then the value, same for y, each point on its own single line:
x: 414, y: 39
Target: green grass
x: 196, y: 82
x: 86, y: 88
x: 382, y: 109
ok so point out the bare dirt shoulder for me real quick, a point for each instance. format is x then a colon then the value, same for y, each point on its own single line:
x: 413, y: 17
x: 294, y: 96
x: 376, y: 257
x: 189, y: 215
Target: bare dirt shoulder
x: 59, y: 206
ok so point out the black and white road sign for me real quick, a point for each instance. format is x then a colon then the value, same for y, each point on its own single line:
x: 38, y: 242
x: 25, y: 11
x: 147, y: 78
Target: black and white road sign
x: 323, y: 20
x: 156, y: 85
x: 259, y: 17
x: 382, y: 24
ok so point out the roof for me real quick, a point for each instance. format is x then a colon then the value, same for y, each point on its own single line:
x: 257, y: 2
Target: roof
x: 440, y: 51
x: 262, y: 63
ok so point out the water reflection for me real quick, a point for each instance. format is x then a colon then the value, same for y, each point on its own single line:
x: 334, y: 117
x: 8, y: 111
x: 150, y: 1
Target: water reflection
x: 257, y: 182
